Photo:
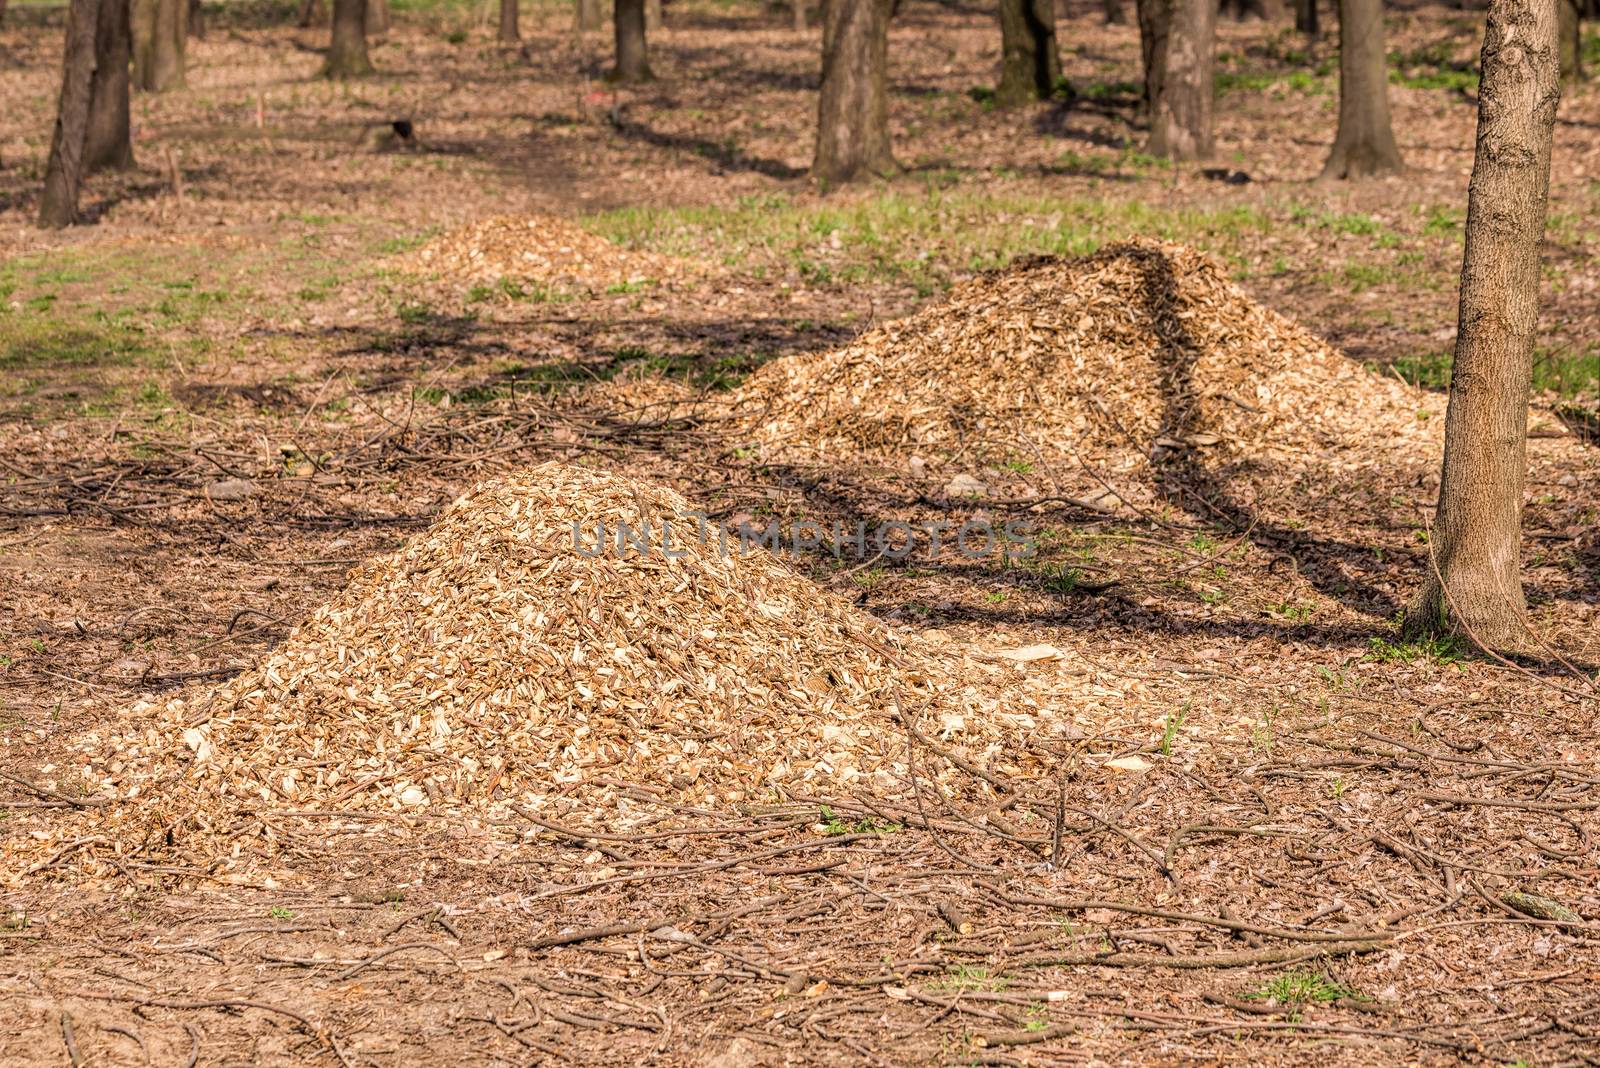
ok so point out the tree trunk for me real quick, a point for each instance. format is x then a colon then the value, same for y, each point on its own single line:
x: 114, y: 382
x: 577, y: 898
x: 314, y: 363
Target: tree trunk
x: 1571, y: 26
x: 652, y: 15
x: 312, y: 12
x: 1155, y: 26
x: 1180, y: 100
x: 1305, y: 17
x: 798, y: 8
x: 853, y: 106
x: 1253, y: 10
x: 509, y: 31
x: 64, y: 173
x: 107, y: 142
x: 347, y: 49
x: 1473, y: 586
x: 633, y: 62
x: 586, y: 16
x: 1365, y: 142
x: 1115, y: 11
x: 1030, y: 65
x: 377, y: 21
x: 159, y: 31
x: 197, y: 20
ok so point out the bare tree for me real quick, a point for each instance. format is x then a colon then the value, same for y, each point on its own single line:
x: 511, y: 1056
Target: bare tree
x: 1305, y: 17
x: 64, y: 173
x: 347, y: 48
x: 160, y: 30
x: 633, y: 57
x: 1571, y: 25
x: 652, y: 15
x: 799, y: 9
x: 1030, y: 64
x: 586, y: 16
x: 311, y: 13
x: 1474, y: 584
x: 1115, y: 11
x: 1253, y: 10
x: 377, y: 21
x: 853, y: 106
x: 108, y: 142
x: 1178, y: 42
x: 509, y: 31
x: 1365, y: 143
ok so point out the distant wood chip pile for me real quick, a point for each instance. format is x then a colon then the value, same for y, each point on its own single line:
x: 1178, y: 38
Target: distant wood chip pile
x: 538, y: 250
x: 1077, y: 367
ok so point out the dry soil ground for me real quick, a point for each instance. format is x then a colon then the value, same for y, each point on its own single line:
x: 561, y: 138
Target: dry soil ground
x: 227, y: 390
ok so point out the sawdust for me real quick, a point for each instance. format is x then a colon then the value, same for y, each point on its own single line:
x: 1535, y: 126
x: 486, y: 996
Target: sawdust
x: 1141, y: 352
x: 502, y: 658
x: 539, y: 250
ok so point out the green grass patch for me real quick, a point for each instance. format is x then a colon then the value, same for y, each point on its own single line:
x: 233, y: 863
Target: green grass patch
x: 832, y: 824
x: 1302, y: 988
x: 1444, y: 650
x: 1564, y: 372
x: 926, y: 239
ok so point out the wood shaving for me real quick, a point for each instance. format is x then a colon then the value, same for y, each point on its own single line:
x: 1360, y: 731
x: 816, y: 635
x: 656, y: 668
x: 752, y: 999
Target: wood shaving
x: 538, y: 249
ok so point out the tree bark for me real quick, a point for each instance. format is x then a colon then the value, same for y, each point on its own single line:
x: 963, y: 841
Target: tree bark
x: 853, y: 106
x: 63, y: 174
x: 1115, y: 12
x: 160, y: 31
x: 1253, y: 10
x: 1473, y: 586
x: 798, y: 8
x: 633, y: 57
x: 1305, y: 17
x: 377, y: 20
x: 652, y: 15
x: 196, y: 25
x: 1571, y: 26
x: 1365, y: 143
x: 1030, y: 65
x: 1155, y: 27
x: 108, y: 144
x: 509, y: 30
x: 311, y: 13
x: 586, y: 16
x: 1180, y: 99
x: 347, y: 48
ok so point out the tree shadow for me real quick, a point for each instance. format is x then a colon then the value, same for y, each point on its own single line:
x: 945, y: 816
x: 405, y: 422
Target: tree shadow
x: 725, y: 156
x: 1331, y: 566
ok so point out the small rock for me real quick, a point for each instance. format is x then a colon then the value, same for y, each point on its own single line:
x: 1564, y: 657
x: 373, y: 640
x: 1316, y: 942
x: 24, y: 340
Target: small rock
x: 1130, y: 763
x: 230, y: 489
x: 965, y: 485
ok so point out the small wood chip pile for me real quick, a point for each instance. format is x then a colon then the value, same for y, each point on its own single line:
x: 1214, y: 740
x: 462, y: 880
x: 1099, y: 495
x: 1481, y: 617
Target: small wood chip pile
x: 541, y: 250
x: 500, y: 658
x: 1141, y: 350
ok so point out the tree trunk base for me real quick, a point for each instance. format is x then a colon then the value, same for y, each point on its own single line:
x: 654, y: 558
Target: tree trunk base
x: 1361, y: 161
x: 1492, y: 622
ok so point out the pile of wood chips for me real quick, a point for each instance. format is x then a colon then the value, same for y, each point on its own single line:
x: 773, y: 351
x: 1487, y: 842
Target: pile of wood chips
x: 500, y: 659
x: 1084, y: 367
x: 539, y: 250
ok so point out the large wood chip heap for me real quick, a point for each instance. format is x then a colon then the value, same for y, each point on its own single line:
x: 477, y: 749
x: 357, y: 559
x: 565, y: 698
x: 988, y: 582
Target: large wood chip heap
x: 499, y: 658
x: 541, y: 250
x: 1142, y: 350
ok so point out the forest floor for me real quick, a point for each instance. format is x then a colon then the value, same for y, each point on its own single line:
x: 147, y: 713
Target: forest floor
x: 1319, y: 856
